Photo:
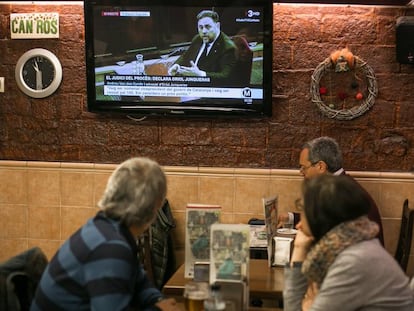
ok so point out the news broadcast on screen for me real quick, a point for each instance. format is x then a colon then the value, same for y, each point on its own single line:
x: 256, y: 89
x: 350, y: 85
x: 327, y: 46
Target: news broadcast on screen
x: 174, y: 56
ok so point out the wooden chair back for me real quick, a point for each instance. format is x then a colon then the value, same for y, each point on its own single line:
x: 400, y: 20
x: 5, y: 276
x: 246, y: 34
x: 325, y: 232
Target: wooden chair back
x: 402, y: 253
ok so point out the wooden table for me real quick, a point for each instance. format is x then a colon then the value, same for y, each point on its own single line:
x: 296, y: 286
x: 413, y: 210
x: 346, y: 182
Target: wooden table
x: 264, y: 282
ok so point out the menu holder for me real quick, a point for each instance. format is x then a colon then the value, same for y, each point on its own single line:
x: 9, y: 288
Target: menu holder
x: 270, y: 208
x: 229, y: 263
x: 258, y: 236
x: 199, y: 218
x: 229, y: 253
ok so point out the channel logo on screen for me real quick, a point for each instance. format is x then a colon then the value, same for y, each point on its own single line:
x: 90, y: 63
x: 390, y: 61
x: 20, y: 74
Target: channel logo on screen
x: 251, y: 13
x: 247, y: 93
x: 250, y: 16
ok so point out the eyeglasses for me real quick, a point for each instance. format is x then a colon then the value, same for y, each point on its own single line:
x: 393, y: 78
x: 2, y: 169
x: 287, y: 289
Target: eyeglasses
x: 299, y: 204
x: 303, y: 168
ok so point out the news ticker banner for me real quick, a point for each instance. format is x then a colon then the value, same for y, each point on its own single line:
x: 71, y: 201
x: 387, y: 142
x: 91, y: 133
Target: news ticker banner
x: 171, y: 86
x: 180, y: 91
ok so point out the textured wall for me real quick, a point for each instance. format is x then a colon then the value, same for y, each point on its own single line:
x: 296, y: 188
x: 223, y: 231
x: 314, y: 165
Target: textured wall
x: 59, y: 128
x: 43, y: 203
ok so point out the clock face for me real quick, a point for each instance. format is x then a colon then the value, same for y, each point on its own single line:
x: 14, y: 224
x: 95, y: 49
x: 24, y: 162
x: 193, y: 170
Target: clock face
x: 38, y: 73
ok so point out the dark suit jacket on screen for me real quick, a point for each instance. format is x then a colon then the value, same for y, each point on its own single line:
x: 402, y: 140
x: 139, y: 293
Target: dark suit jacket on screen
x: 219, y: 63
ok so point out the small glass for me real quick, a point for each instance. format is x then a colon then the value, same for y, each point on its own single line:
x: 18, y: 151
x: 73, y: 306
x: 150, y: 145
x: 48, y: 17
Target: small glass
x: 194, y: 295
x: 299, y: 204
x: 288, y: 226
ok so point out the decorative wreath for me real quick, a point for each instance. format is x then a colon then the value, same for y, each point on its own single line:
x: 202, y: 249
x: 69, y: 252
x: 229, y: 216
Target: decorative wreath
x: 343, y: 86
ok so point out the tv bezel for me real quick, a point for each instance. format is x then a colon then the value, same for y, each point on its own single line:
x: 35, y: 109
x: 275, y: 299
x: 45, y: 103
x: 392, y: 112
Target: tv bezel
x: 167, y: 108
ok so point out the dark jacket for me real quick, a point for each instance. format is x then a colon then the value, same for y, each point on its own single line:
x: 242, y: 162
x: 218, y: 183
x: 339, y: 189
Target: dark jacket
x: 156, y: 249
x: 19, y: 277
x: 219, y: 63
x: 373, y: 214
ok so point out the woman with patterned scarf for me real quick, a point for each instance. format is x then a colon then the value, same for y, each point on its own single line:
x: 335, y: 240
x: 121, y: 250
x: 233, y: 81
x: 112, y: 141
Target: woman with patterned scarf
x: 337, y: 263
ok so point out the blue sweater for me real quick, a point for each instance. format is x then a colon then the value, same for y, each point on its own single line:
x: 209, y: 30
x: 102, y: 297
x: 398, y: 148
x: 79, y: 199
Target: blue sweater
x: 96, y: 269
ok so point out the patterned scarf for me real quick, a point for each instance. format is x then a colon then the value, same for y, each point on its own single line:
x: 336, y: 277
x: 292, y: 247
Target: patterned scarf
x: 324, y: 252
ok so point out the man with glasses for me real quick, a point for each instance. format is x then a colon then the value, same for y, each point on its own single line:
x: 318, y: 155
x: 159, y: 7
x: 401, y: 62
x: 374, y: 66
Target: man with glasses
x: 323, y: 156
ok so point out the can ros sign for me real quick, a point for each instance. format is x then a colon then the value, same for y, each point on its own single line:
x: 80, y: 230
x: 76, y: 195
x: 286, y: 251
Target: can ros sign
x: 34, y: 25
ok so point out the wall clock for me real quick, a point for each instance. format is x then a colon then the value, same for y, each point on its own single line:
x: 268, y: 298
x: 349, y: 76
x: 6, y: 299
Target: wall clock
x: 38, y: 73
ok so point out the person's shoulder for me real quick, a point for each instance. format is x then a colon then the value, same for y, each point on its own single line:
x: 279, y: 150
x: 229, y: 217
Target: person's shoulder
x: 103, y: 238
x: 196, y: 39
x: 227, y: 41
x: 362, y: 255
x: 101, y: 230
x: 371, y: 246
x: 356, y: 261
x: 363, y: 260
x: 373, y: 203
x: 344, y: 173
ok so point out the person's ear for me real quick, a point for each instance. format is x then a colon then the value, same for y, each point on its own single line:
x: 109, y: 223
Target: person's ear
x: 322, y: 166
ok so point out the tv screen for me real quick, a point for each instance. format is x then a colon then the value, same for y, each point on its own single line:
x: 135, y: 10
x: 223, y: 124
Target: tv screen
x: 186, y: 58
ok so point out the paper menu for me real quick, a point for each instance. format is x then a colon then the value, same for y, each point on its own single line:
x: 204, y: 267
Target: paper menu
x: 230, y: 249
x: 199, y: 218
x: 270, y: 208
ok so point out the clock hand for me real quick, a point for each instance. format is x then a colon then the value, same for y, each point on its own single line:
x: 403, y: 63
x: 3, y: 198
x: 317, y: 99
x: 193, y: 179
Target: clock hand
x: 39, y: 84
x: 36, y: 66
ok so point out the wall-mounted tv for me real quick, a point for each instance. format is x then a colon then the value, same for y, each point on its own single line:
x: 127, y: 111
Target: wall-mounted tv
x: 179, y: 58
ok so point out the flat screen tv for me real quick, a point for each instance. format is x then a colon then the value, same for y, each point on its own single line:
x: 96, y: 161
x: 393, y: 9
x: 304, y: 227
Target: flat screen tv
x: 179, y: 58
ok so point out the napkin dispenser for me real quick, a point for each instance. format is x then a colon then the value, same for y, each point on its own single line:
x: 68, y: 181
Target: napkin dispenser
x: 283, y: 247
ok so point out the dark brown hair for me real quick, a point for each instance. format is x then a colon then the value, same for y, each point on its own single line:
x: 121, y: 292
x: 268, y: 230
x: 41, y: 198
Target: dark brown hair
x: 330, y: 200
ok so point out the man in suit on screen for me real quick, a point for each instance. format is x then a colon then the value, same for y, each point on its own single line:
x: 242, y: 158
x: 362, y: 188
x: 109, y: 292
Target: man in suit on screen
x: 212, y: 53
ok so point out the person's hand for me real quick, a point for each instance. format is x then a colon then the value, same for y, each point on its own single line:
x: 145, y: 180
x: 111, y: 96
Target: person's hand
x: 310, y: 295
x: 281, y: 219
x: 302, y: 240
x: 168, y: 304
x: 172, y: 71
x: 192, y: 71
x: 301, y: 245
